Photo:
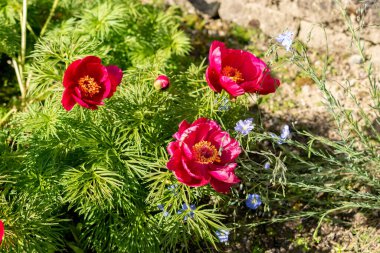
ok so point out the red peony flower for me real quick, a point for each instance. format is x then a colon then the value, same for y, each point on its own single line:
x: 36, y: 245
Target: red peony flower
x: 1, y: 231
x: 162, y: 82
x: 87, y: 82
x: 237, y: 72
x: 202, y: 154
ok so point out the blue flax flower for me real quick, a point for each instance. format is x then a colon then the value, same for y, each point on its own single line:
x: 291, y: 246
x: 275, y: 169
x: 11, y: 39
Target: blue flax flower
x: 244, y: 126
x: 172, y: 188
x: 224, y: 105
x: 267, y: 165
x: 184, y: 209
x: 286, y: 39
x: 161, y: 207
x: 222, y: 102
x: 285, y: 134
x: 222, y: 235
x: 253, y: 201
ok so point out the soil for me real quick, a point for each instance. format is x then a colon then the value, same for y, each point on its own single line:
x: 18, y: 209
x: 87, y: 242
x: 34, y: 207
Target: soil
x: 298, y: 102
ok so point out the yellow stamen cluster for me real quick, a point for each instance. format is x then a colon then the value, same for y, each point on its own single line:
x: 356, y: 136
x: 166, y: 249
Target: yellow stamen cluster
x: 89, y: 86
x: 205, y: 152
x: 233, y: 73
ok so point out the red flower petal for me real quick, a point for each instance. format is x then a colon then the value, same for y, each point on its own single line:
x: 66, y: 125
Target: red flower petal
x: 197, y: 171
x: 91, y: 59
x: 211, y: 123
x: 87, y: 82
x: 82, y: 103
x: 230, y: 152
x: 100, y: 74
x: 1, y: 231
x: 92, y: 102
x: 94, y: 71
x: 189, y: 135
x: 225, y: 173
x: 107, y: 89
x: 212, y: 78
x: 186, y: 151
x: 230, y: 148
x: 174, y: 162
x: 231, y: 87
x: 237, y: 72
x: 183, y: 175
x: 172, y: 147
x: 68, y: 101
x: 266, y: 86
x: 201, y: 133
x: 196, y: 159
x: 182, y: 127
x: 115, y: 75
x: 220, y: 186
x: 69, y: 78
x: 269, y: 84
x: 215, y: 55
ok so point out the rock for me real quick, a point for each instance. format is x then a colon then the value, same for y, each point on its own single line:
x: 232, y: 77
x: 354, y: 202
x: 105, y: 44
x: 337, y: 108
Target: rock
x: 372, y: 22
x: 206, y: 6
x: 270, y: 21
x: 313, y: 11
x: 318, y: 37
x: 355, y: 59
x: 300, y: 16
x: 374, y: 52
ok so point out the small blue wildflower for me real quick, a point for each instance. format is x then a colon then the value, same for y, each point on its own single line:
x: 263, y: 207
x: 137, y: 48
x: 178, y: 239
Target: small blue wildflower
x: 285, y: 134
x: 286, y: 39
x: 161, y: 207
x: 267, y: 165
x: 244, y: 126
x: 222, y: 235
x: 253, y: 201
x: 172, y: 188
x: 184, y: 208
x: 274, y: 136
x: 224, y: 105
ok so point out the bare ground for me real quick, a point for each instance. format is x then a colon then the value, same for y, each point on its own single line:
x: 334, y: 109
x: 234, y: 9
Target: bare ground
x: 298, y: 102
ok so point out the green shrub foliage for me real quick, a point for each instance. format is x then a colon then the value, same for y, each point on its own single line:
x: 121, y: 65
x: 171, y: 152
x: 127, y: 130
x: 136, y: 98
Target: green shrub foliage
x: 93, y: 180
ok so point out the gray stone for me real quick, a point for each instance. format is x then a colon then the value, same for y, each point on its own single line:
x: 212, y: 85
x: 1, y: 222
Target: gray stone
x: 270, y: 21
x: 371, y: 31
x: 355, y: 59
x: 374, y: 52
x: 300, y: 16
x: 206, y: 6
x: 315, y: 11
x: 316, y: 36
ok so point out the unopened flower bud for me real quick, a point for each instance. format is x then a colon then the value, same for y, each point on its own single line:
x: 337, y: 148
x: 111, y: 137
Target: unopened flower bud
x: 162, y: 82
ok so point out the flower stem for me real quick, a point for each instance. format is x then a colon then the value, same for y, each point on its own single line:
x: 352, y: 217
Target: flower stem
x: 19, y: 78
x: 52, y: 10
x: 19, y: 66
x: 4, y: 119
x: 23, y: 30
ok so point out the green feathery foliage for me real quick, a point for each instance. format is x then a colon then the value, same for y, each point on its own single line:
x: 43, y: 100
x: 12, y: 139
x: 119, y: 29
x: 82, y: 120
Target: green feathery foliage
x: 96, y: 180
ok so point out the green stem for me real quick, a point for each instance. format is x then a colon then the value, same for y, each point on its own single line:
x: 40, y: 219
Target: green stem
x: 31, y: 31
x: 19, y: 66
x: 4, y: 119
x: 23, y: 31
x: 52, y: 10
x: 19, y: 78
